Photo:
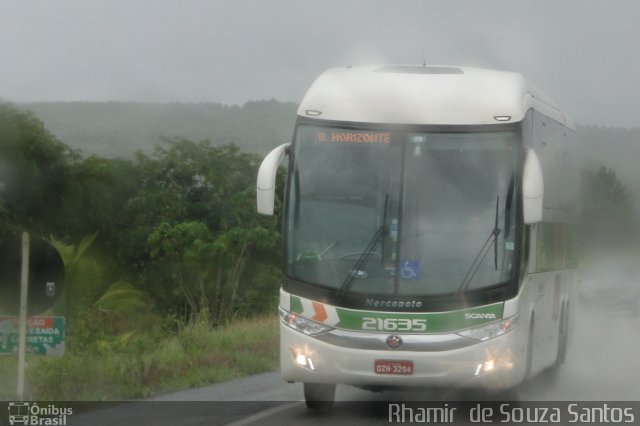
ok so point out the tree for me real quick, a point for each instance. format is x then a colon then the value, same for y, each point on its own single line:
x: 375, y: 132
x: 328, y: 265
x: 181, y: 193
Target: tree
x: 33, y: 171
x: 97, y: 191
x: 607, y: 207
x: 192, y: 227
x: 84, y: 276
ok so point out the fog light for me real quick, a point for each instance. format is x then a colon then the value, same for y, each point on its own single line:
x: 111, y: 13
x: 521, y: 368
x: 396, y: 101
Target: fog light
x: 301, y: 359
x: 499, y: 360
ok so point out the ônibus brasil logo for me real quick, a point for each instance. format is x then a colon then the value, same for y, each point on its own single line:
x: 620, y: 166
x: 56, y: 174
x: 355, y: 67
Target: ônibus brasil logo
x: 30, y: 413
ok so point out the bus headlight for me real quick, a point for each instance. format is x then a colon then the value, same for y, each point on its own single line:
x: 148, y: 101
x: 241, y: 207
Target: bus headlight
x: 489, y: 331
x: 302, y: 324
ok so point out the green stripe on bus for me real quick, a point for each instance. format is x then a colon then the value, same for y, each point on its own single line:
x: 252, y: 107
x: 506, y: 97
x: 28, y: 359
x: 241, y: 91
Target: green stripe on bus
x: 296, y: 304
x: 416, y: 322
x: 435, y: 322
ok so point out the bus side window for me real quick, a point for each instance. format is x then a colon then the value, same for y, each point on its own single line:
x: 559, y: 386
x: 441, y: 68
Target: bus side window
x: 545, y: 247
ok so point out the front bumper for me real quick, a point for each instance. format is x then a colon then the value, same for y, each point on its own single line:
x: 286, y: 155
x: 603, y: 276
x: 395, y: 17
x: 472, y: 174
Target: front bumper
x: 497, y: 363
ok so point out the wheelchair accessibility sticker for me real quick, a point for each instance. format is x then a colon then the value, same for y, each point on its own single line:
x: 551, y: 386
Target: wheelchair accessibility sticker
x: 410, y: 269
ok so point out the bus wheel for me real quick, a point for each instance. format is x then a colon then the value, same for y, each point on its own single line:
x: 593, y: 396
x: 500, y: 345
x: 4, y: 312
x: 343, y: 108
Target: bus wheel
x: 319, y: 395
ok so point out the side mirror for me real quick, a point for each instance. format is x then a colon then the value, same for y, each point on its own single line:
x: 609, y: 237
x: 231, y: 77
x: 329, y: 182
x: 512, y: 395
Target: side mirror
x: 532, y: 189
x: 266, y: 185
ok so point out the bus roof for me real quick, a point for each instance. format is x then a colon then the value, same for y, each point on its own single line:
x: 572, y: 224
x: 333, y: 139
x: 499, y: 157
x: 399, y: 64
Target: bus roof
x: 445, y: 95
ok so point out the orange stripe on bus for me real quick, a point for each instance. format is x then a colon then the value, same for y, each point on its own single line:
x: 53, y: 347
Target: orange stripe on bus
x: 321, y: 314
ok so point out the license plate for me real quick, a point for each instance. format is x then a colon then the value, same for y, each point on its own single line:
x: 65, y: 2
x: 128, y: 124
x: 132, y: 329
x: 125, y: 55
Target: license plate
x: 384, y: 366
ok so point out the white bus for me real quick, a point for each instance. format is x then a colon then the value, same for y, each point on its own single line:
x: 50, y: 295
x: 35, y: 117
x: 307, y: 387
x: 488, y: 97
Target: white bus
x: 427, y: 226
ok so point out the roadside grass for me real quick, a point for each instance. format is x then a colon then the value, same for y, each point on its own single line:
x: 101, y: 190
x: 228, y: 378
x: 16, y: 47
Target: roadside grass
x: 142, y: 364
x: 8, y: 377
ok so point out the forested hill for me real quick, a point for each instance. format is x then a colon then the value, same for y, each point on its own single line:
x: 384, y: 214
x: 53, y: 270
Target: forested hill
x: 118, y: 129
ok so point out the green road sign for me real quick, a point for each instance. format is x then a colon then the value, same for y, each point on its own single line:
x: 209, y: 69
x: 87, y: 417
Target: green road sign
x: 45, y: 335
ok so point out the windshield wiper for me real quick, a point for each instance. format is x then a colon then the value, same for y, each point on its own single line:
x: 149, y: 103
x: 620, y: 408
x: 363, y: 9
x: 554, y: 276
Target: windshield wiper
x: 477, y: 261
x: 357, y: 269
x: 507, y: 208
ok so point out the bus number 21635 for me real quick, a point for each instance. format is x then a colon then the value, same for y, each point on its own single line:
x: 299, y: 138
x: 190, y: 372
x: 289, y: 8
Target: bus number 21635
x: 394, y: 324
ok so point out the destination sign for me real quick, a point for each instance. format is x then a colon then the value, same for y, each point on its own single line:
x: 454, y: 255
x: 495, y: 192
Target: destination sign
x: 353, y: 136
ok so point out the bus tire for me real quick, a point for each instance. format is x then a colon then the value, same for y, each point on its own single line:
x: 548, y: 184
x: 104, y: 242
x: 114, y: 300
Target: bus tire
x: 319, y: 396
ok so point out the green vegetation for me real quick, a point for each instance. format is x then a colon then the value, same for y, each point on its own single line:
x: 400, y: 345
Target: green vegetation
x: 608, y: 216
x: 178, y: 224
x: 614, y: 149
x: 162, y: 252
x: 142, y: 364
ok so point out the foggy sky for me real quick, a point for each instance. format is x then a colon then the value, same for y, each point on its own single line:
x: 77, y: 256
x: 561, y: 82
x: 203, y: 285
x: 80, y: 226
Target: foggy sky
x: 585, y: 54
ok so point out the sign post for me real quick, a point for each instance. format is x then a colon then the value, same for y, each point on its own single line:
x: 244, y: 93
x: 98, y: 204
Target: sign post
x: 22, y: 331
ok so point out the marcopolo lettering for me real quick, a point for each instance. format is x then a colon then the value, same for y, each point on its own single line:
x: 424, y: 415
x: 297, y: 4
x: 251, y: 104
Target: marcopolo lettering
x: 376, y: 303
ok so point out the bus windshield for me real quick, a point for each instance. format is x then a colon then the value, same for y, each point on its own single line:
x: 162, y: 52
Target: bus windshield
x: 402, y: 213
